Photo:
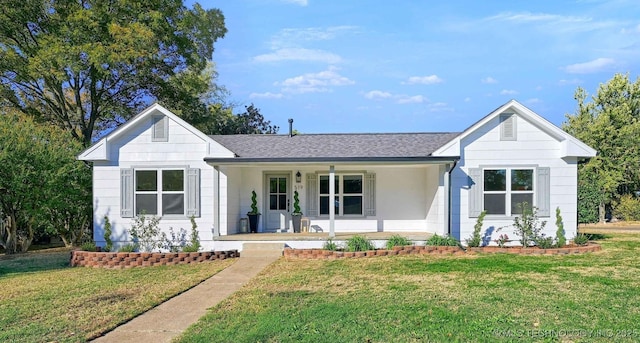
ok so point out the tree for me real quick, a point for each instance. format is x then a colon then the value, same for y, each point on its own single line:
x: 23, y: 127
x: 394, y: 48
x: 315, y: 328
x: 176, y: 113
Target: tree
x: 88, y: 65
x: 42, y: 185
x: 610, y: 122
x: 249, y: 122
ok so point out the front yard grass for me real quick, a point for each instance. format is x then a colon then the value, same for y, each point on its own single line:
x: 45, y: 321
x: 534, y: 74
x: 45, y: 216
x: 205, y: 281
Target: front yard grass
x: 476, y: 298
x: 42, y: 299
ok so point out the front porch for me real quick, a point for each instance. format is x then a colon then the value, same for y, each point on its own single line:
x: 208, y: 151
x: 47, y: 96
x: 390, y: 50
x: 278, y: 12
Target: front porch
x: 312, y: 240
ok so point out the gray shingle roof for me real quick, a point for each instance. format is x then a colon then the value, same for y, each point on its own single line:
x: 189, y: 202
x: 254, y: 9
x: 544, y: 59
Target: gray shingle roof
x: 370, y: 145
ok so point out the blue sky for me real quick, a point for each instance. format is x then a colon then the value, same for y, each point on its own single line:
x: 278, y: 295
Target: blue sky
x: 419, y: 66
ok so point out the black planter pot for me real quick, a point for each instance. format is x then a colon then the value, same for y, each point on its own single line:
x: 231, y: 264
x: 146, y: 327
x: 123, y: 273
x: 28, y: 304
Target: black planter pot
x: 296, y: 219
x: 253, y: 222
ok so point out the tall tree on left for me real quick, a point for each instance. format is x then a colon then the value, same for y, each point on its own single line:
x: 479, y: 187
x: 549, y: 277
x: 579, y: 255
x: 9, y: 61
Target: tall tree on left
x: 43, y: 187
x: 88, y: 65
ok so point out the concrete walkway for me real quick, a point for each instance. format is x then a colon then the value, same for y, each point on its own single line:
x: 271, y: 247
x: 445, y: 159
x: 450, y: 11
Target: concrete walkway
x: 171, y: 318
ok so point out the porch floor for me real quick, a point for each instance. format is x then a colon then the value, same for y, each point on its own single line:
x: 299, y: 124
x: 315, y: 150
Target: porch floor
x: 321, y: 236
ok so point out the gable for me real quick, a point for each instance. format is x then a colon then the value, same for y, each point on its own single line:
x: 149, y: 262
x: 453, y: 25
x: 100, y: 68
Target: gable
x: 505, y: 120
x: 154, y: 125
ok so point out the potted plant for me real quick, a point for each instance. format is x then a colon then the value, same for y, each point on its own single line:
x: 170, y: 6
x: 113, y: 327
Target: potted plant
x: 254, y: 215
x: 296, y: 215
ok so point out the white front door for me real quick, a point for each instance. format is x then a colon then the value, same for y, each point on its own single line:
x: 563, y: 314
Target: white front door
x: 277, y: 218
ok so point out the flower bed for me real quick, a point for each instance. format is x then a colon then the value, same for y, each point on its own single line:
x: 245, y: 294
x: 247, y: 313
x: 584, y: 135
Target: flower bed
x: 422, y: 249
x: 142, y: 259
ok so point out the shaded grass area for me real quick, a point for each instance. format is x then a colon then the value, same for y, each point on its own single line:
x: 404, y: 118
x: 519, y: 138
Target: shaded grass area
x: 477, y: 298
x: 42, y: 299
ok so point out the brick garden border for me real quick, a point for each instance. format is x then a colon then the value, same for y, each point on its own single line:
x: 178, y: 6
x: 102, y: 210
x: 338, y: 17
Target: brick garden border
x: 121, y: 260
x: 422, y: 249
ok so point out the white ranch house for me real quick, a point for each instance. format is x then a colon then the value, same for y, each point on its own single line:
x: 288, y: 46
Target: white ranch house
x: 429, y: 183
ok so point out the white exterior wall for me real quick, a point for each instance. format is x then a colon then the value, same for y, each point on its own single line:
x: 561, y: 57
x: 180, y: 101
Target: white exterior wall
x: 533, y: 147
x: 134, y: 148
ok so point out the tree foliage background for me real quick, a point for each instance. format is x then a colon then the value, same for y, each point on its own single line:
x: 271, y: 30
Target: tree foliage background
x: 43, y: 188
x: 608, y: 121
x: 88, y: 65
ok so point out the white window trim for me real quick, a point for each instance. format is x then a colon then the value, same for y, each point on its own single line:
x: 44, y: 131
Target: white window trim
x: 340, y: 195
x: 508, y: 191
x: 159, y: 192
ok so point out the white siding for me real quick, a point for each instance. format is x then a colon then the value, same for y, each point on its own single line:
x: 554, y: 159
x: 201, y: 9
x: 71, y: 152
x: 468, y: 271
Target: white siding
x: 134, y: 148
x: 533, y: 147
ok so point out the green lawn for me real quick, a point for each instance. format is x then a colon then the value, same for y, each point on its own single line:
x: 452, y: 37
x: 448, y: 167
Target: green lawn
x: 571, y: 298
x: 42, y: 299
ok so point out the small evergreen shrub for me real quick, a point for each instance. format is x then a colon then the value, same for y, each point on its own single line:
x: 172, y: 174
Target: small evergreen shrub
x: 107, y: 235
x: 128, y: 248
x: 476, y: 238
x: 561, y: 240
x: 330, y: 245
x: 194, y: 239
x: 581, y: 239
x: 397, y: 241
x: 627, y: 208
x: 359, y: 243
x: 443, y: 241
x: 88, y: 246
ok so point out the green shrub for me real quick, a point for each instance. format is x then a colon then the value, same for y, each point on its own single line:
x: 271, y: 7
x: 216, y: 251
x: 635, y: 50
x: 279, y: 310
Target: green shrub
x: 194, y: 240
x: 561, y: 240
x: 128, y: 248
x: 528, y: 226
x: 107, y: 234
x: 544, y: 242
x: 176, y: 243
x: 581, y: 239
x: 476, y: 238
x: 397, y: 241
x: 88, y: 246
x: 146, y: 234
x: 359, y: 243
x: 330, y: 245
x: 443, y: 241
x: 627, y: 208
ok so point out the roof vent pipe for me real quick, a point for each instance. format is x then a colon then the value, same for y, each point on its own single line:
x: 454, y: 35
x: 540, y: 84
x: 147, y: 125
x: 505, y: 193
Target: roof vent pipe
x: 290, y: 127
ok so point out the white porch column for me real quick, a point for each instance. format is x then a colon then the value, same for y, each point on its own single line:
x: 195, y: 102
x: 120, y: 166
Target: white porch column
x: 332, y: 201
x: 216, y: 201
x: 447, y: 201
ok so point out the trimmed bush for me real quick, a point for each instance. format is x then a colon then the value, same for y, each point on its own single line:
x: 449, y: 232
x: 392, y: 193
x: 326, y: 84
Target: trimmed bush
x: 476, y: 238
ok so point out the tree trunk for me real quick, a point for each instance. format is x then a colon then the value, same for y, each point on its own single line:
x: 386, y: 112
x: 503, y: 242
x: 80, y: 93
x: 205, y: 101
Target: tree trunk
x: 602, y: 212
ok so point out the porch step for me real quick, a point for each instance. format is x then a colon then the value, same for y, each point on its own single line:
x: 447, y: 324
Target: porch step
x: 261, y: 249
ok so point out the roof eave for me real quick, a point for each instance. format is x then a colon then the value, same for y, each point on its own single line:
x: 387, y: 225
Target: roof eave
x: 333, y: 160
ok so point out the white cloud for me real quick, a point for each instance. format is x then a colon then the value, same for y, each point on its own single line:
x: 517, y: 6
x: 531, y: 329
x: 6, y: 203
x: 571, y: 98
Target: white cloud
x: 297, y: 2
x: 489, y: 80
x: 439, y: 107
x: 266, y: 95
x: 406, y: 99
x: 294, y: 37
x: 315, y: 82
x: 633, y: 30
x: 597, y: 65
x: 376, y: 94
x: 467, y: 99
x: 299, y: 54
x: 533, y: 101
x: 425, y: 80
x: 508, y: 92
x: 565, y: 82
x: 398, y: 98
